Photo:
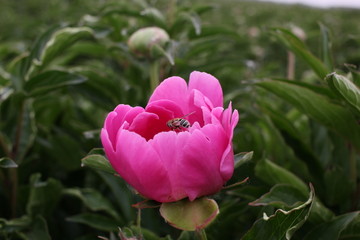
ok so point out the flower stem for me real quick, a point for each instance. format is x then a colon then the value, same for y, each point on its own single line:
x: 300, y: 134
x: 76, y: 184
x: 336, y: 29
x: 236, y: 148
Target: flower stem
x: 154, y: 74
x: 13, y: 172
x: 353, y: 178
x: 201, y: 234
x: 353, y: 167
x: 138, y: 223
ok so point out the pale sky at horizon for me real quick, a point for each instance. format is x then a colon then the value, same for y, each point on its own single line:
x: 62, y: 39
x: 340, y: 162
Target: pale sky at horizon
x: 322, y: 3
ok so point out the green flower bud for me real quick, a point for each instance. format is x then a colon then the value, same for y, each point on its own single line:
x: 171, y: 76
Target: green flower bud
x: 146, y: 42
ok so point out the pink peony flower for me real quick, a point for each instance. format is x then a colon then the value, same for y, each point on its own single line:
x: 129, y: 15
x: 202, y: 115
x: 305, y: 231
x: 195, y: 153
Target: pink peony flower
x: 168, y: 165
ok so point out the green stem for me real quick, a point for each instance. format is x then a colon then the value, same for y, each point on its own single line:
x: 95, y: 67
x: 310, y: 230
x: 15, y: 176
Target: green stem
x: 138, y: 222
x: 4, y: 146
x: 201, y: 234
x: 353, y: 178
x: 154, y: 74
x: 18, y: 134
x: 13, y: 172
x: 171, y: 11
x: 13, y: 177
x: 353, y: 167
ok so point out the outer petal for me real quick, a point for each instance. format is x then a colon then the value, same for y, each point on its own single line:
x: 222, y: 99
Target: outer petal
x: 107, y: 144
x: 137, y: 162
x: 174, y: 89
x: 227, y: 163
x: 200, y: 168
x: 229, y: 121
x: 114, y: 120
x: 170, y: 148
x: 208, y: 85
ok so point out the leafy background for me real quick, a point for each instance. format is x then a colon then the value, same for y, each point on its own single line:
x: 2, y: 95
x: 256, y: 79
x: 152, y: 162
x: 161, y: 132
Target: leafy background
x: 291, y: 71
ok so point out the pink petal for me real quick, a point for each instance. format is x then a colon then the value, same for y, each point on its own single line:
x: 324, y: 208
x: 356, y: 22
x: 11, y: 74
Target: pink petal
x: 216, y: 115
x: 227, y: 163
x: 218, y: 139
x: 208, y: 85
x: 107, y: 143
x: 194, y: 127
x: 132, y: 113
x: 206, y: 115
x: 229, y: 120
x: 144, y: 124
x: 140, y: 166
x: 168, y: 106
x: 173, y: 89
x: 114, y: 120
x: 197, y: 101
x: 121, y: 110
x: 233, y: 122
x: 169, y: 146
x: 200, y: 168
x: 164, y: 115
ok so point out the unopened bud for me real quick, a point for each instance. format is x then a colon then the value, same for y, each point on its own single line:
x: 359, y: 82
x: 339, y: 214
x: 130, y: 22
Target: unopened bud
x: 144, y: 41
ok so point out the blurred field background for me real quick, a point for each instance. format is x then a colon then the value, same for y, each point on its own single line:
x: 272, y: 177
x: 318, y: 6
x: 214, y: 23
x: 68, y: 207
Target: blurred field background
x: 65, y: 64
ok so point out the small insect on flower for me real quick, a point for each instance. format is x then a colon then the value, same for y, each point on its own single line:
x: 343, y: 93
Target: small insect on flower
x: 178, y: 123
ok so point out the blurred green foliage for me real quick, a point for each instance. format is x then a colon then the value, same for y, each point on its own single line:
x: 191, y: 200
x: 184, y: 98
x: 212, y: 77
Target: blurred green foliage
x: 65, y: 64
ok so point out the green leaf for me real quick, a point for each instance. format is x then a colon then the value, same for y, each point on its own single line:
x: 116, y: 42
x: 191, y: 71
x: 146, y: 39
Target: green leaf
x: 154, y: 15
x: 242, y: 158
x: 16, y: 224
x: 185, y: 235
x: 151, y: 16
x: 295, y: 139
x: 97, y: 151
x: 282, y: 224
x: 338, y: 186
x: 56, y: 44
x: 326, y: 46
x: 65, y: 149
x: 195, y: 20
x: 98, y: 162
x: 123, y: 196
x: 345, y: 88
x: 6, y: 162
x: 145, y: 233
x: 295, y: 45
x: 44, y: 196
x: 282, y: 196
x: 355, y: 73
x: 93, y: 199
x: 26, y: 61
x: 273, y: 174
x: 317, y: 107
x: 50, y: 81
x: 319, y: 89
x: 26, y: 130
x: 39, y: 229
x: 352, y: 231
x: 331, y: 230
x: 320, y: 213
x: 96, y: 221
x: 190, y: 215
x: 157, y: 51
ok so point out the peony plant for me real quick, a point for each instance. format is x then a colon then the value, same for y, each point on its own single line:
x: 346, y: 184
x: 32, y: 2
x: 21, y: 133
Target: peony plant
x: 166, y: 163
